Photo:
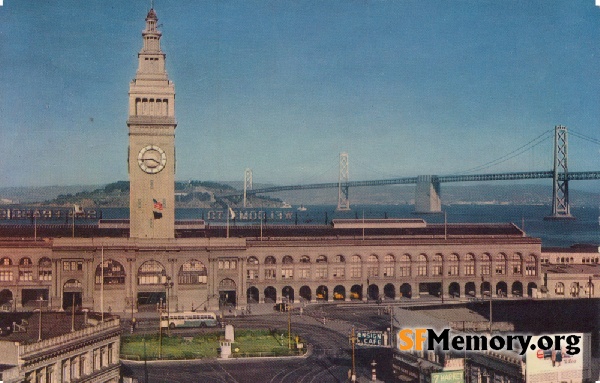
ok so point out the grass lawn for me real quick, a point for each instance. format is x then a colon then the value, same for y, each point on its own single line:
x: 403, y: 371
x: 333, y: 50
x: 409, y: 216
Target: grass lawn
x: 206, y: 345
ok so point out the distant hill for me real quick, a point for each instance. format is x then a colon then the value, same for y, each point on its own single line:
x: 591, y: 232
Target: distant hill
x: 206, y: 194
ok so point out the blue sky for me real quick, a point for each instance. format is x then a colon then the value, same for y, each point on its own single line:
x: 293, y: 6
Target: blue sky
x: 282, y: 87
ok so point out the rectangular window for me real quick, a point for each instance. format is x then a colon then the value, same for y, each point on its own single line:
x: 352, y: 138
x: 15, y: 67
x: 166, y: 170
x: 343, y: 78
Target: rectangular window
x: 485, y: 269
x: 388, y: 271
x: 287, y: 273
x: 421, y: 270
x: 25, y: 275
x: 469, y: 269
x: 6, y: 276
x: 436, y: 270
x: 252, y: 274
x: 45, y: 275
x: 72, y: 265
x: 270, y: 273
x: 404, y: 271
x: 304, y: 273
x: 321, y: 273
x: 227, y: 264
x: 338, y: 272
x: 453, y: 270
x: 500, y: 269
x: 355, y: 271
x: 373, y: 271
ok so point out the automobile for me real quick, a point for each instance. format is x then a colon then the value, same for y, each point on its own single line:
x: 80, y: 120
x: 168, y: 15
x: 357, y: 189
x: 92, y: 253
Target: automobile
x: 338, y: 296
x: 281, y: 307
x: 354, y: 295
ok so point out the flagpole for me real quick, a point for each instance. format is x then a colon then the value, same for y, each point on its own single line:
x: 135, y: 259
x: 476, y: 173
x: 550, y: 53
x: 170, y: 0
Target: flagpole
x: 102, y: 285
x: 73, y: 221
x: 228, y: 220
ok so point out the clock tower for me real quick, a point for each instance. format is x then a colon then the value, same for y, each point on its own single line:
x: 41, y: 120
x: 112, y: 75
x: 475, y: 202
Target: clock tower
x: 151, y: 154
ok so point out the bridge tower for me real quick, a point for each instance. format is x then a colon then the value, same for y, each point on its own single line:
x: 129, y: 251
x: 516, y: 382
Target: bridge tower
x: 427, y: 195
x: 560, y: 184
x: 343, y: 201
x: 247, y: 184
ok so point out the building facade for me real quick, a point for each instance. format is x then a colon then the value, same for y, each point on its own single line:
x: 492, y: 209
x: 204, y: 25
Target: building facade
x: 52, y: 349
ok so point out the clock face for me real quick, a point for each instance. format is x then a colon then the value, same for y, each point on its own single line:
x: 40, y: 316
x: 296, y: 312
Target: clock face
x: 152, y: 159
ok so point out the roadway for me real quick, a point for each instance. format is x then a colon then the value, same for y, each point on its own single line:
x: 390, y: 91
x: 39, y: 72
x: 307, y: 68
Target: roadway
x: 326, y: 328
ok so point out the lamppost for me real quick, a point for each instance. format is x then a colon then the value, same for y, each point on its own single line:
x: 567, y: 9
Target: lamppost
x: 168, y: 286
x: 353, y: 342
x: 40, y: 300
x: 160, y: 310
x: 490, y: 292
x: 289, y: 310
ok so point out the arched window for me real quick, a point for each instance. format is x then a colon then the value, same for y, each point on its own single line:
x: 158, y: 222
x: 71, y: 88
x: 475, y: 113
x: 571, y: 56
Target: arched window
x: 389, y: 258
x: 45, y: 269
x: 470, y: 264
x: 372, y: 258
x: 287, y: 260
x: 575, y: 289
x: 151, y: 273
x: 270, y: 269
x: 404, y: 263
x: 452, y: 264
x: 6, y: 275
x: 193, y: 272
x: 270, y: 260
x: 339, y: 259
x: 517, y: 264
x: 252, y: 261
x: 25, y: 272
x: 356, y: 267
x: 422, y: 265
x: 114, y: 273
x: 485, y: 266
x: 531, y: 265
x: 25, y: 262
x: 559, y: 289
x: 437, y: 264
x: 322, y: 259
x: 500, y: 264
x: 305, y: 259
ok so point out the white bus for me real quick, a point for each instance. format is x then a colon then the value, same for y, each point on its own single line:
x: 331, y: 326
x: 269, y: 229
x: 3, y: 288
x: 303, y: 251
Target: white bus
x: 188, y: 319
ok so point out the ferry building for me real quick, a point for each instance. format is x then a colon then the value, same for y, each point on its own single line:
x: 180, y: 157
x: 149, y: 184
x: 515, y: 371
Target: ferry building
x: 124, y: 267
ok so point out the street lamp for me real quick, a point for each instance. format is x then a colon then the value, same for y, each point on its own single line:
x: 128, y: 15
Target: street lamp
x: 168, y: 286
x: 40, y: 300
x: 289, y: 310
x: 160, y: 310
x: 353, y: 340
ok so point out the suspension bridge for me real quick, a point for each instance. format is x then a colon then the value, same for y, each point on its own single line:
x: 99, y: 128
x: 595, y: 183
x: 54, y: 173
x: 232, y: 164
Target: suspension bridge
x: 427, y: 195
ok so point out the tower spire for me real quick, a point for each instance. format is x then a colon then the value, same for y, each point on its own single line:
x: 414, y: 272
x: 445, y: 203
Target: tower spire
x: 151, y: 125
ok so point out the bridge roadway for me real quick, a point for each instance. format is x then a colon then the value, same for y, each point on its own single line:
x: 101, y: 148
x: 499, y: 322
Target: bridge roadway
x: 571, y: 176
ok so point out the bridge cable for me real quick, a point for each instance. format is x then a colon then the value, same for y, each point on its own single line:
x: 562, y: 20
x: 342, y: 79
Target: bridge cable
x: 584, y: 137
x: 518, y: 151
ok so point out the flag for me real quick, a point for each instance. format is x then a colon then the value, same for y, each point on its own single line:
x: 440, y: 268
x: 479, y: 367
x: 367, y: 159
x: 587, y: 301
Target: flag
x: 231, y: 213
x: 157, y: 206
x: 77, y: 209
